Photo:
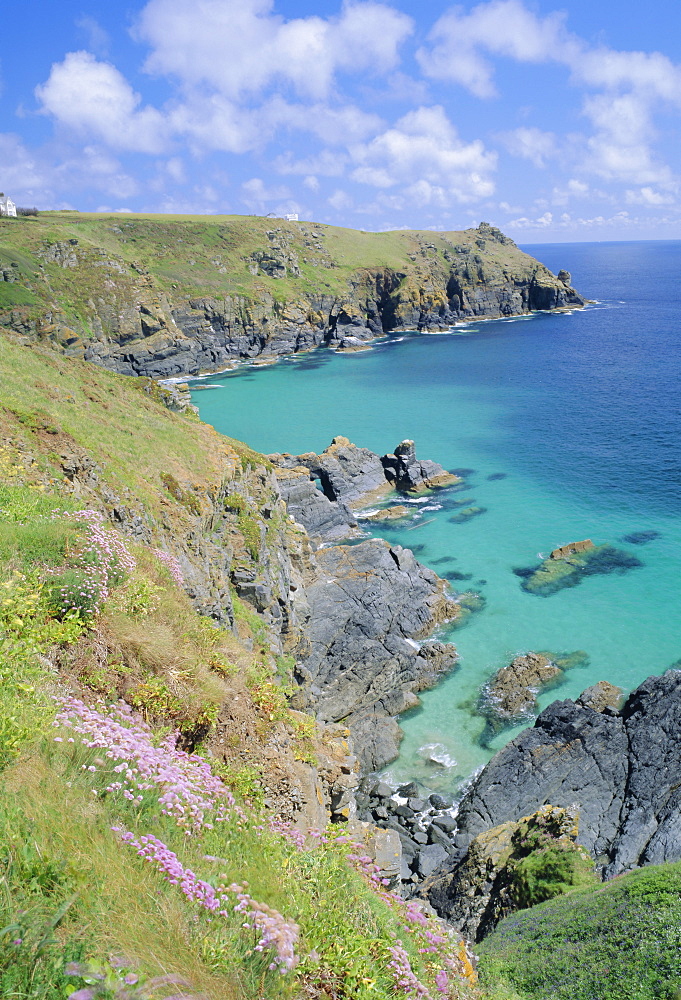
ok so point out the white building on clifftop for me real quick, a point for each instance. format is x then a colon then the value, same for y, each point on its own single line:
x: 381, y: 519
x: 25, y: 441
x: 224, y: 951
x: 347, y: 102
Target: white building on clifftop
x: 7, y: 206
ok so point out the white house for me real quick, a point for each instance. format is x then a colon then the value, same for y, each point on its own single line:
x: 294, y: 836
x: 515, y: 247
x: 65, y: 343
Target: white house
x: 7, y: 206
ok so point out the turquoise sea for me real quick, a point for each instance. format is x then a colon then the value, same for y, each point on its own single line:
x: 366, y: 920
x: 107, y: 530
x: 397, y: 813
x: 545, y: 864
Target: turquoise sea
x: 569, y: 426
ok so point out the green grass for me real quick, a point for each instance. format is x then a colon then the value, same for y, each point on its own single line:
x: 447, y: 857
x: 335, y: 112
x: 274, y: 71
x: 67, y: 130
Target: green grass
x: 183, y: 257
x: 69, y: 405
x: 620, y: 940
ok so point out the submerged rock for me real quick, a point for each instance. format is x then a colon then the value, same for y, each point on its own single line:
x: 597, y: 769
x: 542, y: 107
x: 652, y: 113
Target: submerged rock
x: 511, y: 693
x: 467, y: 514
x: 640, y: 537
x: 389, y: 513
x: 558, y: 572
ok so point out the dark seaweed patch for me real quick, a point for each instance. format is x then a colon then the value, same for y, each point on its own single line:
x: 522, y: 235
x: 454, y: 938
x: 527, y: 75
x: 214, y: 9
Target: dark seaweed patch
x: 455, y: 575
x: 442, y: 560
x: 640, y: 537
x: 497, y: 475
x: 466, y: 514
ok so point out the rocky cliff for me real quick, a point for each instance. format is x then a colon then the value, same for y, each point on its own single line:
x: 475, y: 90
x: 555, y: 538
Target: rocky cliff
x: 164, y: 296
x: 619, y: 768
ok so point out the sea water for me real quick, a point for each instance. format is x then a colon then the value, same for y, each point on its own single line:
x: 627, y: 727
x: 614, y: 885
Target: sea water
x: 568, y: 427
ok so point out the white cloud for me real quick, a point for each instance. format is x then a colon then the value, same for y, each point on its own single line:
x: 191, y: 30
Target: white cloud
x: 93, y: 98
x: 327, y: 163
x: 311, y: 182
x: 240, y: 46
x: 340, y: 200
x: 619, y: 149
x: 648, y: 196
x: 502, y: 27
x: 258, y: 197
x: 24, y: 174
x: 632, y: 84
x: 423, y: 151
x: 531, y: 144
x: 96, y: 37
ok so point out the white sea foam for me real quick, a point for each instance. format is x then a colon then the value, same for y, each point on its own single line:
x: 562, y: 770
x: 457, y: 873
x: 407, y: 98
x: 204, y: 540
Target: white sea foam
x: 437, y: 753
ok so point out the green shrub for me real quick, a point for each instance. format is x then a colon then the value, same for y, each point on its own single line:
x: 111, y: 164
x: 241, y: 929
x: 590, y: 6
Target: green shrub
x: 545, y: 866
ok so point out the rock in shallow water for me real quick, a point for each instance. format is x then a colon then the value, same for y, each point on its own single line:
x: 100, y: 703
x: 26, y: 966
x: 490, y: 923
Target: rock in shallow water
x: 555, y: 574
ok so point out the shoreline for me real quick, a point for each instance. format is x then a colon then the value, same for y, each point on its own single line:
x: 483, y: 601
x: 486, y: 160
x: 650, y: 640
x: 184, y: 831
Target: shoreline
x: 367, y: 345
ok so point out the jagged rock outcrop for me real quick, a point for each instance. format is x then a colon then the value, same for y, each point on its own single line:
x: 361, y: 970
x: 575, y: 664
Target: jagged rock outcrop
x: 322, y: 518
x: 408, y: 474
x: 352, y: 476
x: 484, y: 886
x: 369, y: 605
x: 621, y: 769
x: 347, y: 474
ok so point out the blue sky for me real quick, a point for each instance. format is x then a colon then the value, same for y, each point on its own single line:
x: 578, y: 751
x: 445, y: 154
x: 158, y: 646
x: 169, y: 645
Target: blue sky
x: 556, y: 123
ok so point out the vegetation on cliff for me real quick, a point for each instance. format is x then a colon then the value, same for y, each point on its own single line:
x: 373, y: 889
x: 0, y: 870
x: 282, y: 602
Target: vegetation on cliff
x: 621, y: 939
x: 140, y: 742
x: 162, y: 295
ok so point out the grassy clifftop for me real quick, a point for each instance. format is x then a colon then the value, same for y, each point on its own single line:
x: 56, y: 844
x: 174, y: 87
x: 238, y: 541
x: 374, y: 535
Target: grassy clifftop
x: 128, y: 870
x: 217, y: 255
x: 160, y: 295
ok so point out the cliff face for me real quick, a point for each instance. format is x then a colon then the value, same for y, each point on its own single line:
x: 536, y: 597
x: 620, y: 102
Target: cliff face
x: 351, y: 618
x: 104, y: 291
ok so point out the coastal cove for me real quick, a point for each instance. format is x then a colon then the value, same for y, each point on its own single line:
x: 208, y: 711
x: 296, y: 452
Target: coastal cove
x: 568, y: 424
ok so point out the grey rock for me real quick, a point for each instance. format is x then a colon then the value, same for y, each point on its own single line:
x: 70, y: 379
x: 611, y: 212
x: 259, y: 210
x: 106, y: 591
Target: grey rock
x: 409, y: 790
x: 430, y: 858
x: 381, y: 790
x: 368, y: 603
x: 310, y: 507
x: 601, y: 697
x: 438, y: 836
x: 621, y: 769
x: 438, y: 801
x: 406, y: 473
x: 446, y: 823
x: 417, y: 805
x: 421, y: 838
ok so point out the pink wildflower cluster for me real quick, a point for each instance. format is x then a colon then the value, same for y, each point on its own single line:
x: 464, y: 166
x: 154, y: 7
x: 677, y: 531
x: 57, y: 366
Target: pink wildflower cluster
x: 403, y: 974
x: 276, y: 933
x: 445, y: 947
x: 173, y: 565
x: 100, y: 559
x: 190, y: 792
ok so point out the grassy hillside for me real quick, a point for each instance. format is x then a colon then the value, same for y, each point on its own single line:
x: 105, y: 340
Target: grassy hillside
x: 214, y: 256
x: 620, y: 940
x: 136, y: 856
